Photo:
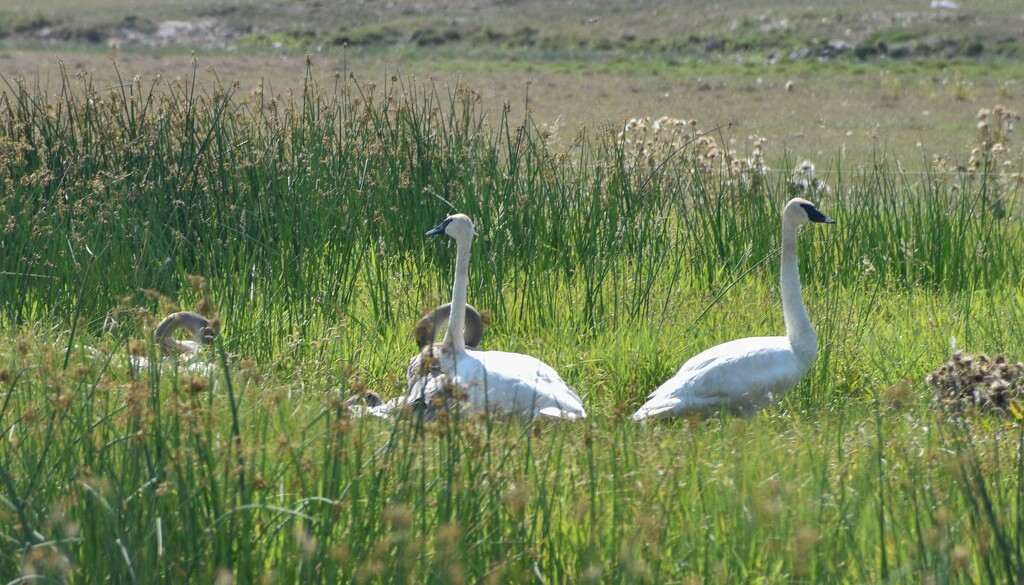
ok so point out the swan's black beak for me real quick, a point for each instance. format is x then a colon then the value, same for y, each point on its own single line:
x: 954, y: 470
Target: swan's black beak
x: 814, y: 215
x: 439, y: 229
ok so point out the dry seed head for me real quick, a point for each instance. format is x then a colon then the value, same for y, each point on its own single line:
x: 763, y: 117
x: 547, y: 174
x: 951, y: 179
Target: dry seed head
x: 65, y: 399
x: 399, y: 517
x: 357, y: 383
x: 341, y: 554
x: 517, y: 497
x: 136, y: 347
x: 197, y: 282
x: 206, y: 308
x: 194, y: 384
x: 899, y: 395
x: 960, y: 558
x: 592, y: 574
x: 249, y: 370
x: 305, y: 540
x: 45, y: 560
x: 448, y: 536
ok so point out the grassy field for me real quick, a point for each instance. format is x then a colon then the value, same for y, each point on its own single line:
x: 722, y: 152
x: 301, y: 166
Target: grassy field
x: 293, y: 211
x: 299, y: 224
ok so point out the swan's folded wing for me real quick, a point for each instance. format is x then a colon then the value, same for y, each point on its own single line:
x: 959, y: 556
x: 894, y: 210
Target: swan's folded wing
x: 519, y: 384
x: 741, y: 376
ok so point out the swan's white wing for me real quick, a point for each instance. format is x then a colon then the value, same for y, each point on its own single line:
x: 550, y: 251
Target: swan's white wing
x: 199, y: 363
x: 741, y: 376
x: 513, y: 383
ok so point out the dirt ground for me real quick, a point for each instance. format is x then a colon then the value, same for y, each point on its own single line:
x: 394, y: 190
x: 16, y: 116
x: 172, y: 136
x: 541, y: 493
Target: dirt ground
x: 808, y: 116
x: 582, y: 63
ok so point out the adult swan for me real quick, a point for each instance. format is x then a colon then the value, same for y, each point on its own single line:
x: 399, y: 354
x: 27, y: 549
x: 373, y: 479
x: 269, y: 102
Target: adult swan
x: 493, y: 382
x: 745, y: 375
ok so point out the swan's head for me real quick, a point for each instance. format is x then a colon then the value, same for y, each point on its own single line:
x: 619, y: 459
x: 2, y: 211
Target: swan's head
x: 456, y: 226
x: 799, y: 211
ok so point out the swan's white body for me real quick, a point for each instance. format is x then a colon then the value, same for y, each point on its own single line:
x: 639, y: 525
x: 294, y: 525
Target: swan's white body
x: 745, y: 375
x: 498, y: 382
x: 490, y: 382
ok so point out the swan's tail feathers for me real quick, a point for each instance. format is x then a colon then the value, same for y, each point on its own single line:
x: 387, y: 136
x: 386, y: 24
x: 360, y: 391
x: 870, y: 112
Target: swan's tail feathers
x: 561, y: 413
x: 657, y: 409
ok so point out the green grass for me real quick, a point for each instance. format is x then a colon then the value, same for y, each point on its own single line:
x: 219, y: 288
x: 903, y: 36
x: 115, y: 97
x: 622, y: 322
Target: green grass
x: 304, y: 214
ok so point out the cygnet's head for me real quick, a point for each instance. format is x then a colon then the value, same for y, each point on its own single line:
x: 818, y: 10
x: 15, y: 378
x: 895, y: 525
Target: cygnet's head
x: 456, y: 226
x: 799, y: 211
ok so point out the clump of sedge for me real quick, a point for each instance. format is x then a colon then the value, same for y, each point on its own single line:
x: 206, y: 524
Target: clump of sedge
x: 969, y: 382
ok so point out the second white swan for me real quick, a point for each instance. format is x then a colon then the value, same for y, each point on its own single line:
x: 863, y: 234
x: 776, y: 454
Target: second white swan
x: 745, y: 375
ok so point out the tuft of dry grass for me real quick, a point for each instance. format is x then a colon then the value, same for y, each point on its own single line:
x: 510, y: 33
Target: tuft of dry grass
x: 977, y: 382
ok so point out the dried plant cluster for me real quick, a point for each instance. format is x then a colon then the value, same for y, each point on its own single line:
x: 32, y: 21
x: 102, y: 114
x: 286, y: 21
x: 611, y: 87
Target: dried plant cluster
x: 653, y: 143
x: 994, y: 163
x: 968, y: 382
x: 993, y: 152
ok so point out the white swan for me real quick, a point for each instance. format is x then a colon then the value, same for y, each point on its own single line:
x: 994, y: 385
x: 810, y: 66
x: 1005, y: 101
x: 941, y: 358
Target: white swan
x: 745, y: 375
x: 493, y: 382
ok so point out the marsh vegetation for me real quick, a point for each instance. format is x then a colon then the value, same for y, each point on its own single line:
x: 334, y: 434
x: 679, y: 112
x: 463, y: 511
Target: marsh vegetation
x: 613, y: 252
x: 299, y: 221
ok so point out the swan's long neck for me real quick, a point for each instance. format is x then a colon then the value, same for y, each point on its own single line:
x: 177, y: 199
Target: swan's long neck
x: 798, y: 324
x: 454, y: 338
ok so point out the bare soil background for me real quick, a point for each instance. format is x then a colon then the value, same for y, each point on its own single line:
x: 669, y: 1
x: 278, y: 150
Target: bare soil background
x: 818, y: 81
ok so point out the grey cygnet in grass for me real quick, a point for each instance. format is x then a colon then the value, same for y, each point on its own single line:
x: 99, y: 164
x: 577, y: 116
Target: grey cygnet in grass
x: 424, y: 366
x: 200, y: 328
x: 426, y: 328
